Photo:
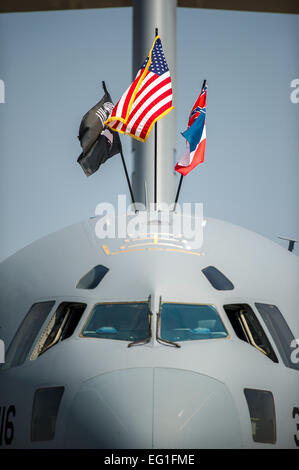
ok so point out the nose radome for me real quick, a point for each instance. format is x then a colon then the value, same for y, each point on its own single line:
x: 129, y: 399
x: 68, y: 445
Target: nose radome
x: 113, y: 411
x: 159, y: 408
x: 193, y: 411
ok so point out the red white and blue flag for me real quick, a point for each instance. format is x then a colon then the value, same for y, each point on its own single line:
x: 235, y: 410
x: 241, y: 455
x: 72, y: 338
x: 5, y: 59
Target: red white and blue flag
x: 195, y: 136
x: 148, y: 99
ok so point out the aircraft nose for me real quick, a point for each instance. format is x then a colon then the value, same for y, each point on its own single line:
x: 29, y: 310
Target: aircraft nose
x: 153, y: 408
x: 113, y: 411
x: 193, y: 411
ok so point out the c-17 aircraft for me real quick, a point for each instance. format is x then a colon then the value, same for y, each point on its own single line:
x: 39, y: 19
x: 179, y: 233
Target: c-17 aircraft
x: 145, y: 342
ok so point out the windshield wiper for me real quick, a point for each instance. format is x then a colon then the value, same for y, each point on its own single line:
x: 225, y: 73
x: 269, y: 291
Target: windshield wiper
x: 145, y: 340
x: 158, y: 331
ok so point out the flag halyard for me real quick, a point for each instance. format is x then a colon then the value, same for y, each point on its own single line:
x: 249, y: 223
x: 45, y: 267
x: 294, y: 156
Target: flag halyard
x: 147, y: 100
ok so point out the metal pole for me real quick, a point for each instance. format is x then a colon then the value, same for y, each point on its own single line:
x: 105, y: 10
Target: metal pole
x: 155, y: 157
x: 147, y: 15
x: 127, y: 176
x: 178, y: 191
x: 122, y: 158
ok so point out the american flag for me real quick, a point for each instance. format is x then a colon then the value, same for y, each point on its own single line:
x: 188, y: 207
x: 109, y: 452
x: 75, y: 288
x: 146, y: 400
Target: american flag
x: 148, y: 99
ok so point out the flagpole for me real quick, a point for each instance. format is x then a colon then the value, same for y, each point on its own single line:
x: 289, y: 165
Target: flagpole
x: 104, y: 87
x: 178, y: 191
x: 127, y: 176
x: 123, y: 159
x: 155, y: 157
x: 182, y: 176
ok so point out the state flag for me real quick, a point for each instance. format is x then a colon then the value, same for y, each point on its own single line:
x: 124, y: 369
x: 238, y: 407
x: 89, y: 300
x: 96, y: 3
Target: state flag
x: 195, y: 136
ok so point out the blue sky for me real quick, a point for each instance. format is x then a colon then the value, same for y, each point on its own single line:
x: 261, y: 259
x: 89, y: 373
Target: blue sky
x: 52, y: 64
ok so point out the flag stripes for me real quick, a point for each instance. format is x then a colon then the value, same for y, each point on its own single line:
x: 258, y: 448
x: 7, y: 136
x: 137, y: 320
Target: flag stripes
x: 159, y: 94
x: 148, y: 98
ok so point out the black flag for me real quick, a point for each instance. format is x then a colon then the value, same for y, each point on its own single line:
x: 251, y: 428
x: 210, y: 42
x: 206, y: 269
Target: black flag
x: 97, y: 141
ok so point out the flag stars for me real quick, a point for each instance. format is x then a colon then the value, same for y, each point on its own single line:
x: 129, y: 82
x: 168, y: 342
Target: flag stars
x: 158, y: 62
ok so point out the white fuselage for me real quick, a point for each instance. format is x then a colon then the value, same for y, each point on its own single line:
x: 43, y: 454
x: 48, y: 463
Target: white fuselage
x: 150, y: 395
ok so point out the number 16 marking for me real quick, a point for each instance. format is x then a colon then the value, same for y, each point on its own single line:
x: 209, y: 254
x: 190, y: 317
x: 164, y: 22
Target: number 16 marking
x: 7, y: 426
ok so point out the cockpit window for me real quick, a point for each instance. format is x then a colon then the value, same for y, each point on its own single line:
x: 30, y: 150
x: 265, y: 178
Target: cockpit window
x: 60, y: 327
x: 190, y: 322
x: 93, y: 278
x: 262, y: 415
x: 26, y: 334
x: 280, y: 332
x: 126, y: 321
x: 248, y: 328
x: 217, y: 279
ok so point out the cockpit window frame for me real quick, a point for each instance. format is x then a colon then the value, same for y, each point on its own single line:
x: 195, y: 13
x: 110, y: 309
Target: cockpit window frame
x: 59, y: 312
x: 277, y: 332
x: 148, y: 302
x: 178, y: 343
x: 233, y: 310
x: 18, y: 358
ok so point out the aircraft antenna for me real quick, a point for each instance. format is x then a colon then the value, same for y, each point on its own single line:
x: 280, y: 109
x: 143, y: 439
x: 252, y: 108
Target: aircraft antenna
x: 291, y: 243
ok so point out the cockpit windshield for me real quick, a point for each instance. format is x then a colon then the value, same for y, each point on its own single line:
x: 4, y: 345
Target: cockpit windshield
x: 189, y: 322
x: 121, y: 321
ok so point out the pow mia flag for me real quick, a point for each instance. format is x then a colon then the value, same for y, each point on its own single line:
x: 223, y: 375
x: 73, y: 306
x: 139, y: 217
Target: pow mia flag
x: 97, y: 141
